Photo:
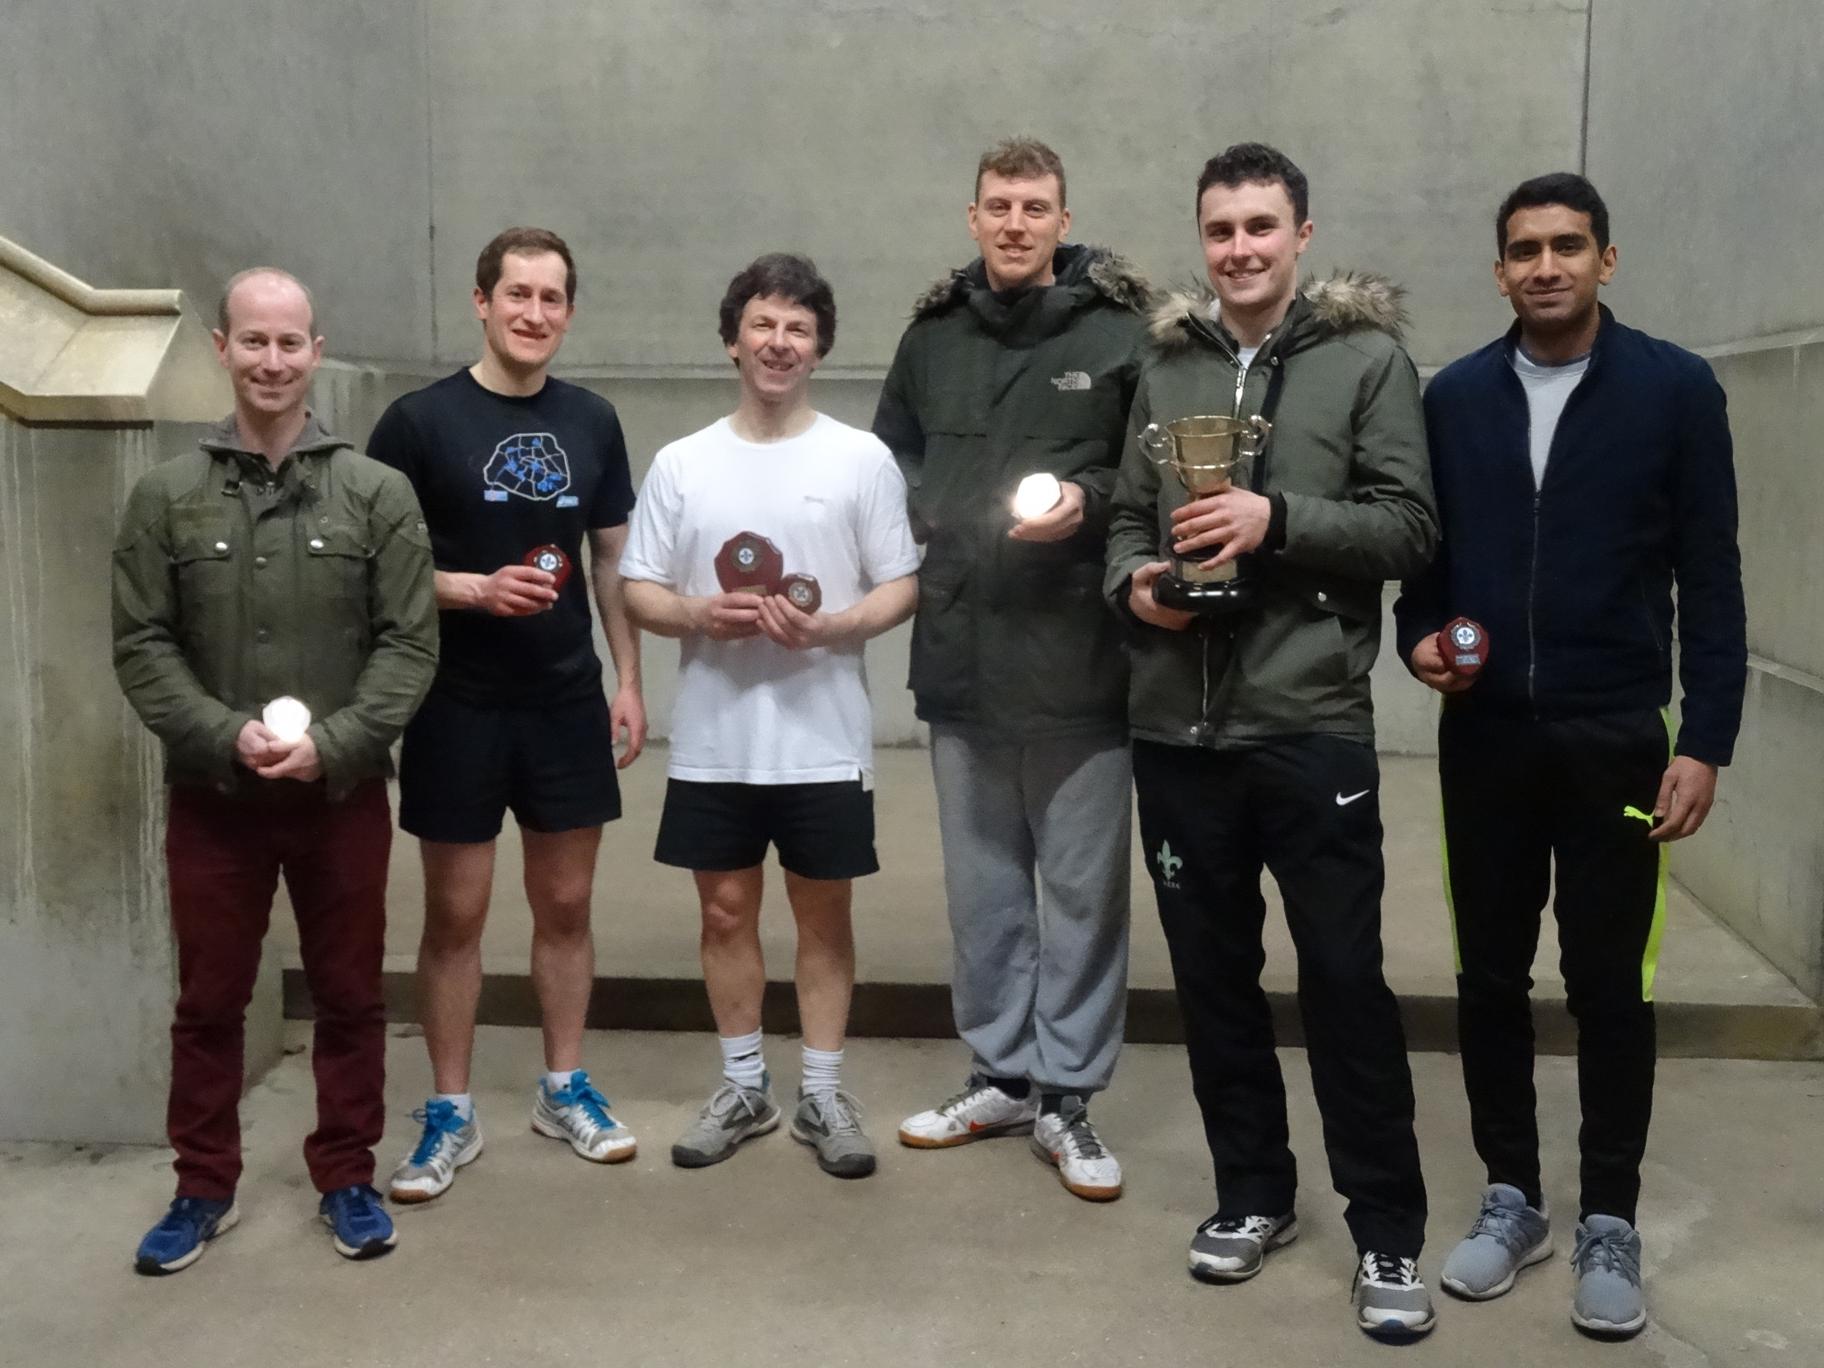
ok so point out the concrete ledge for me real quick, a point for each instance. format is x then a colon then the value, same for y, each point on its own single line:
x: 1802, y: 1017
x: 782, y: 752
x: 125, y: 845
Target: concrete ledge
x: 921, y: 1011
x: 71, y: 353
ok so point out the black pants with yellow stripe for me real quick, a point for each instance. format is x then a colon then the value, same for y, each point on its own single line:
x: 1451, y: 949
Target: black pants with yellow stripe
x: 1520, y: 796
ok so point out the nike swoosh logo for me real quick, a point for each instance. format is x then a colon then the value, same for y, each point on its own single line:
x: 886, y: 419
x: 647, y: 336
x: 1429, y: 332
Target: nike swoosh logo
x: 1344, y: 802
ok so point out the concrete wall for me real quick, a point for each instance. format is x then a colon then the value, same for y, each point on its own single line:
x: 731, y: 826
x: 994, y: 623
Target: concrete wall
x: 173, y: 144
x: 1703, y: 136
x: 87, y: 970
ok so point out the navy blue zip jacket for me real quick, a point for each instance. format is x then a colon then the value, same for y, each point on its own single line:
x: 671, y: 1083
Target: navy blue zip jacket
x: 1574, y: 580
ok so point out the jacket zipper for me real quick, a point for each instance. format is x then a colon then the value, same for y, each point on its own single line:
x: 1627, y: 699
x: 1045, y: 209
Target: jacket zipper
x: 1532, y: 585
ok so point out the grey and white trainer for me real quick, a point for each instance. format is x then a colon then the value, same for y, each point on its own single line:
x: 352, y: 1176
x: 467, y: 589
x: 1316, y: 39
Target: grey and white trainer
x: 1606, y: 1263
x: 448, y: 1142
x: 1508, y: 1235
x: 1067, y: 1140
x: 979, y: 1111
x: 831, y: 1124
x: 731, y: 1115
x: 1229, y: 1249
x: 578, y: 1114
x: 1391, y: 1302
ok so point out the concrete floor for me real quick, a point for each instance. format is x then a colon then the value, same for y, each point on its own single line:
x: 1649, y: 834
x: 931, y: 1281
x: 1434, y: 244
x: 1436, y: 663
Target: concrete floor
x: 646, y: 914
x: 973, y: 1256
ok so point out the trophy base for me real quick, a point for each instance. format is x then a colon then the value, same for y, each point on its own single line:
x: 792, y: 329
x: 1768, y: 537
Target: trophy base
x: 1209, y: 599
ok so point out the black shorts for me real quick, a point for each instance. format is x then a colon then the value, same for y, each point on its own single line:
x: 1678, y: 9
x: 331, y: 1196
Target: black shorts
x: 464, y: 764
x: 822, y: 831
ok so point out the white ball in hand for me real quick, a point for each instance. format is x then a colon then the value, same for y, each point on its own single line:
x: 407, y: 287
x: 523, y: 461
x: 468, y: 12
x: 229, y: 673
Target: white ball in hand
x: 287, y: 719
x: 1037, y: 495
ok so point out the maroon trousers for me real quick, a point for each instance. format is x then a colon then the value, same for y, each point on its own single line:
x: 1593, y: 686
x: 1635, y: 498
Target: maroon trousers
x: 224, y: 856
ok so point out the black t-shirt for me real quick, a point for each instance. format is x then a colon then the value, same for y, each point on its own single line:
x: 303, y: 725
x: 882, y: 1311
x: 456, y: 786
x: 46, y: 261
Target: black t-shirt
x: 496, y: 476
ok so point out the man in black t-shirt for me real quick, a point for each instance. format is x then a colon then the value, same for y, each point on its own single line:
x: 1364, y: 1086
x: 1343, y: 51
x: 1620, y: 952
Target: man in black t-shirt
x: 512, y: 468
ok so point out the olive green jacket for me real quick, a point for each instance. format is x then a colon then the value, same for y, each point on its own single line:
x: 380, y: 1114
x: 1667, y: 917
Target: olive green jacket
x: 987, y: 388
x: 235, y: 583
x: 1347, y: 471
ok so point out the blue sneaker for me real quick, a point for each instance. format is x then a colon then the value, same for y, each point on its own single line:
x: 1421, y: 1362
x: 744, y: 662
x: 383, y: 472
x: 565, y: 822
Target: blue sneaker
x: 177, y: 1241
x: 361, y: 1227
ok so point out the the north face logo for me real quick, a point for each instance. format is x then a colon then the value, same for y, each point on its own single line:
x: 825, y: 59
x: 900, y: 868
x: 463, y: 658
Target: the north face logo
x: 1071, y: 380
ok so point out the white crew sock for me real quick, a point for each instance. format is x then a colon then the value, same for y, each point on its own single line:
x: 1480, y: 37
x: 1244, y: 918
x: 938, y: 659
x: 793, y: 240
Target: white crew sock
x: 463, y: 1102
x: 557, y: 1082
x: 743, y: 1061
x: 822, y: 1072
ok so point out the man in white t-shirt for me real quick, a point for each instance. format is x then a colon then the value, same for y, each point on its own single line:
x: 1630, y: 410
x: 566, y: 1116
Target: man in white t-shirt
x: 771, y: 739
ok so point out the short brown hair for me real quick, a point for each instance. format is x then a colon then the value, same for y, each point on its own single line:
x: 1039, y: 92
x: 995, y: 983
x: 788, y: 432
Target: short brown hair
x: 522, y: 242
x: 1020, y: 159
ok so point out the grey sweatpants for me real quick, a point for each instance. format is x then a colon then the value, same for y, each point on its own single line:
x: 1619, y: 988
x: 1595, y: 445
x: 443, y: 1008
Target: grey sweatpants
x: 1036, y: 848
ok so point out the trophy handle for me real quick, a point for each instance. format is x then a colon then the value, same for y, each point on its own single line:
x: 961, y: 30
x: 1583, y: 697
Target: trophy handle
x: 1255, y: 438
x: 1155, y: 444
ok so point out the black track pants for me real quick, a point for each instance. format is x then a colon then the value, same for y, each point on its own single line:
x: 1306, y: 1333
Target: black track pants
x: 1307, y: 809
x: 1519, y: 795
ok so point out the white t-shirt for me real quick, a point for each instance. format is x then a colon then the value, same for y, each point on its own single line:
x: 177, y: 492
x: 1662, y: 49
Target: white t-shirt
x: 1547, y: 389
x: 831, y: 499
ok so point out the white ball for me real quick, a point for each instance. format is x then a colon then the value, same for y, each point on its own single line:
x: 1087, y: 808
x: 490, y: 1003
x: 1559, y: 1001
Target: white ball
x: 1037, y: 495
x: 286, y: 718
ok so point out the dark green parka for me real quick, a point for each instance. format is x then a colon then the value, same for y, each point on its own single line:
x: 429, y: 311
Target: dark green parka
x: 987, y: 388
x: 1347, y: 468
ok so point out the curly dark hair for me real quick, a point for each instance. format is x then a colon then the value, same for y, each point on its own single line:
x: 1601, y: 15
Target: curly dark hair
x: 788, y: 276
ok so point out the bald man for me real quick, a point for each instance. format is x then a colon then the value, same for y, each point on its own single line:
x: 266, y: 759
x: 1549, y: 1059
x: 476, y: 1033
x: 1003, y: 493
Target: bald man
x: 274, y: 562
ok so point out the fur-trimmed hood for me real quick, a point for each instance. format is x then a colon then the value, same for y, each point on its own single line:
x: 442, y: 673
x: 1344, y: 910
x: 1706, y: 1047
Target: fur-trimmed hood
x: 1346, y: 301
x: 1104, y: 271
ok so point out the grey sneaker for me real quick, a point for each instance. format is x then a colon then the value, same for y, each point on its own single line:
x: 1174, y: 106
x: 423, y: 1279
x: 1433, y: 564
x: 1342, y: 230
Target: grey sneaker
x: 579, y: 1116
x: 731, y: 1115
x: 1390, y: 1300
x: 1606, y: 1264
x: 1229, y: 1249
x: 1508, y: 1235
x: 447, y: 1144
x: 831, y: 1124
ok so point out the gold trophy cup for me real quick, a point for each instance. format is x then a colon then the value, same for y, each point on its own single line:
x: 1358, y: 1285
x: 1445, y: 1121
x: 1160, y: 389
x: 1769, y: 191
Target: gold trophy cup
x: 1204, y: 453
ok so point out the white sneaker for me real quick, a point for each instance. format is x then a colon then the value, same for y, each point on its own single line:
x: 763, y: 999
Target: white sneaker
x: 1066, y: 1139
x: 447, y: 1144
x: 979, y: 1111
x: 579, y: 1114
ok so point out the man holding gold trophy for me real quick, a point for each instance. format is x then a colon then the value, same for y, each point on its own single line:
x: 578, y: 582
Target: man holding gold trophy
x: 275, y: 626
x: 1277, y: 475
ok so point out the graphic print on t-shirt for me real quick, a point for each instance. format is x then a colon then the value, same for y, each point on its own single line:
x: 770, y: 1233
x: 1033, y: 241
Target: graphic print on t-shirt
x: 529, y: 464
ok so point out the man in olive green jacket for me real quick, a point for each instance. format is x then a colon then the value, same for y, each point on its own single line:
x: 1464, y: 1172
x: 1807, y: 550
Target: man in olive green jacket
x: 1022, y: 364
x: 274, y: 562
x: 1253, y: 730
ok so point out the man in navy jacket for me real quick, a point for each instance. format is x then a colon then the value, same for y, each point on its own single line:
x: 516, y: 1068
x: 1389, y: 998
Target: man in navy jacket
x: 1583, y: 469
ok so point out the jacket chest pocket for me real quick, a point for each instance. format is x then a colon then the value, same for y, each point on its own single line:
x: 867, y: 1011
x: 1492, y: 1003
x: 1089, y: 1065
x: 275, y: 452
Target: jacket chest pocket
x: 335, y: 563
x: 203, y: 560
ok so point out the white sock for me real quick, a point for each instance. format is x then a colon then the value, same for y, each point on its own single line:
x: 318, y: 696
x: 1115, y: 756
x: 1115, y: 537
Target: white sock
x: 822, y: 1072
x: 557, y: 1082
x: 463, y: 1102
x: 742, y: 1059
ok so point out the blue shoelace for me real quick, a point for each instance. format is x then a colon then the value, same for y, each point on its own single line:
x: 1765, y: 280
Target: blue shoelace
x: 582, y: 1093
x: 439, y: 1119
